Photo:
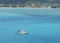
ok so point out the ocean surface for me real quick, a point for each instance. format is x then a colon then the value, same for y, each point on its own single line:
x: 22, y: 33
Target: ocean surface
x: 42, y: 25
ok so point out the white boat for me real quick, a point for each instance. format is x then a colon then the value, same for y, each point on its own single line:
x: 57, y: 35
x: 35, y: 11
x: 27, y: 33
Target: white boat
x: 22, y: 32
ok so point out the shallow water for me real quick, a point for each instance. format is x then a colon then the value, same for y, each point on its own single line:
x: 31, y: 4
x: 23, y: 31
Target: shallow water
x: 43, y: 25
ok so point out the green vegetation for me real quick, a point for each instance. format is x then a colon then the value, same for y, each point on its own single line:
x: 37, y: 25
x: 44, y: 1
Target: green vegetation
x: 30, y: 1
x: 23, y: 3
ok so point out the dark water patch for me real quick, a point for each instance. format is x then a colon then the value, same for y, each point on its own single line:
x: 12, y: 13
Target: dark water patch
x: 44, y: 16
x: 33, y: 19
x: 13, y: 18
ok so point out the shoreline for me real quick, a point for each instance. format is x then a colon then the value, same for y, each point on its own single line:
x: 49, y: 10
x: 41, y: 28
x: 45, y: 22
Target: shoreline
x: 25, y: 8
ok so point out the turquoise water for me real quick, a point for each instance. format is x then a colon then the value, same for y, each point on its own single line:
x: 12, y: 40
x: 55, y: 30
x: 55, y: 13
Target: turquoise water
x: 43, y: 25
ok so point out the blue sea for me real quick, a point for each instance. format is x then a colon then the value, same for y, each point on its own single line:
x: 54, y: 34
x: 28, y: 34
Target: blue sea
x: 42, y: 25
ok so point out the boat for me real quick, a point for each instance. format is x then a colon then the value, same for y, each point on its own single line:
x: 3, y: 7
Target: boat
x: 22, y: 32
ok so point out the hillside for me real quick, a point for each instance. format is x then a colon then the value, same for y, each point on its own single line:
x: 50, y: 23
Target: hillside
x: 24, y: 1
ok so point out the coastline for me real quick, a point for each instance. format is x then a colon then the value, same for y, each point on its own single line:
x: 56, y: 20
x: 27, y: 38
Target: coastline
x: 30, y: 8
x: 25, y: 8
